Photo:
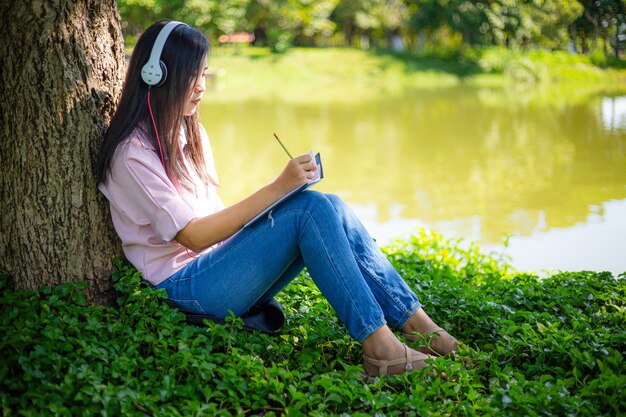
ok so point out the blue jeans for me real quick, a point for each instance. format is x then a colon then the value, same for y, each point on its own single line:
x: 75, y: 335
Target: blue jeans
x: 311, y: 229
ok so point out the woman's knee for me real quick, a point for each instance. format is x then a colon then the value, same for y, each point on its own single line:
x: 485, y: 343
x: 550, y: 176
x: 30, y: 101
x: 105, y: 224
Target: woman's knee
x: 316, y: 202
x: 339, y: 205
x: 313, y: 197
x: 335, y: 200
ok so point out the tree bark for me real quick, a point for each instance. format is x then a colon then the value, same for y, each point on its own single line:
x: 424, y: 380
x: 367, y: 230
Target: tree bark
x: 617, y: 40
x: 61, y: 68
x: 348, y: 31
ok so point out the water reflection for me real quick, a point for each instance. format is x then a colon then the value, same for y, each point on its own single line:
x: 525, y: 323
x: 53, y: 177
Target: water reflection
x: 597, y: 244
x: 614, y: 113
x: 470, y: 162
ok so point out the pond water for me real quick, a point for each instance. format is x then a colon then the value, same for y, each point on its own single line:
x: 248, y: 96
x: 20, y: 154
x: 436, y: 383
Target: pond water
x: 542, y: 169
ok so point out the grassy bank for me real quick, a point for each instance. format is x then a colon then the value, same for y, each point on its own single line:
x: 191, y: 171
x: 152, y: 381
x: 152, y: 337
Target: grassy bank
x: 314, y: 73
x: 532, y: 347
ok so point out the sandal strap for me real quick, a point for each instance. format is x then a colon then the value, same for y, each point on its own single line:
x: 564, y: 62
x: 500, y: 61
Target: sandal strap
x: 408, y: 359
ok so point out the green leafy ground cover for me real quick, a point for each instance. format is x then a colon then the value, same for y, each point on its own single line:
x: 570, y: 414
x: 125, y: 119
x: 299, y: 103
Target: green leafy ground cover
x: 532, y: 347
x: 347, y: 74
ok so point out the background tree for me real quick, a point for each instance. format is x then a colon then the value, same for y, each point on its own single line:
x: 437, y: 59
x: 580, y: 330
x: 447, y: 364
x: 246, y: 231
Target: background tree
x: 62, y: 68
x: 313, y: 20
x: 601, y: 24
x: 359, y: 20
x: 280, y: 24
x: 616, y: 27
x: 387, y: 20
x: 548, y: 21
x: 230, y: 15
x: 467, y: 19
x: 139, y: 14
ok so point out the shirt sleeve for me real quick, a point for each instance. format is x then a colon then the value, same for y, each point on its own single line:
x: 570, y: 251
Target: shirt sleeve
x: 143, y: 192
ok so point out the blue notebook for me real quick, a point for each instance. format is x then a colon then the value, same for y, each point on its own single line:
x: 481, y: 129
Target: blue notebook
x: 319, y: 174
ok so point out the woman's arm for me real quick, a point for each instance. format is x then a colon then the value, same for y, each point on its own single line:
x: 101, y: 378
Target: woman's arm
x: 202, y: 232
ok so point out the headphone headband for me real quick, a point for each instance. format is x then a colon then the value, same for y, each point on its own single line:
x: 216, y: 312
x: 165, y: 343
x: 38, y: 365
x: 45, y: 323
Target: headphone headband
x: 154, y: 72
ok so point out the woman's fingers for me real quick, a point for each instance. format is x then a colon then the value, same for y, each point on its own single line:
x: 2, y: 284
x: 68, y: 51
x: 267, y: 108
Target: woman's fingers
x: 298, y: 171
x: 306, y: 162
x: 302, y: 158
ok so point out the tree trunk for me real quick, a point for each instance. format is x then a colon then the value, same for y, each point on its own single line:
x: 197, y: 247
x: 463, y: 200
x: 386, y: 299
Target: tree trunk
x: 617, y: 40
x: 61, y: 69
x: 348, y: 31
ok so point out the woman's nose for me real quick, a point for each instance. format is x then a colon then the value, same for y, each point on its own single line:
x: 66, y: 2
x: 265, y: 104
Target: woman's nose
x: 200, y: 87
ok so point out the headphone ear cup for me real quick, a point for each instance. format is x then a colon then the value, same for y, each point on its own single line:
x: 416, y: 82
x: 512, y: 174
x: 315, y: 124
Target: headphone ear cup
x: 149, y: 73
x: 164, y: 74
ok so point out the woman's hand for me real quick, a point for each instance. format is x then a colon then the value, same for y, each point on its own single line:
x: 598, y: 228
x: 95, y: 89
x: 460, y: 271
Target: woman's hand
x: 297, y: 172
x: 203, y: 232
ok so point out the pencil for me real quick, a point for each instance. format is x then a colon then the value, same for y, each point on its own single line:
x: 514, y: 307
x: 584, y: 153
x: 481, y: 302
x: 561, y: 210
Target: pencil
x: 281, y: 144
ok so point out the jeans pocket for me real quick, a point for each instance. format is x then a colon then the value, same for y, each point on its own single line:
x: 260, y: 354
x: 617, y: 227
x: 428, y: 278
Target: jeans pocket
x: 189, y: 306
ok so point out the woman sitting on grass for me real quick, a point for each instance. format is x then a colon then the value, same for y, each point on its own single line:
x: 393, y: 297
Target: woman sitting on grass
x: 156, y: 168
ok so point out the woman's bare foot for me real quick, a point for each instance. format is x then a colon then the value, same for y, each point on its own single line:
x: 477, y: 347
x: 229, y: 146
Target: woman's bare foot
x: 384, y: 354
x: 420, y: 327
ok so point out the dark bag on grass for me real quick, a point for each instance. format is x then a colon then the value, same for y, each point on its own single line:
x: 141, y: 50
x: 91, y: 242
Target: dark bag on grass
x: 268, y: 318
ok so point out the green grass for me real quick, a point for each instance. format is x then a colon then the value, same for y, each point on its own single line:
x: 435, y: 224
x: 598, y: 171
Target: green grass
x: 314, y: 74
x: 532, y: 347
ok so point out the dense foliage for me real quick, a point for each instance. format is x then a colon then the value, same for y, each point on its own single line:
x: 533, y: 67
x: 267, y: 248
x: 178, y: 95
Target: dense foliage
x: 532, y: 347
x: 597, y: 26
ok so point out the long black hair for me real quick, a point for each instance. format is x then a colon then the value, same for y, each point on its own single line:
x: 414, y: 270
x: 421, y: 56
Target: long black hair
x: 184, y: 54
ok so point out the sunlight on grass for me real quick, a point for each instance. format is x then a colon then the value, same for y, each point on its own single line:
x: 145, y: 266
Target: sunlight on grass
x: 351, y: 75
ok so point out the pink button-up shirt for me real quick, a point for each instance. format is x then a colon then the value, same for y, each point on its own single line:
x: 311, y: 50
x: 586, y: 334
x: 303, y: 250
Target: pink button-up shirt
x: 148, y: 210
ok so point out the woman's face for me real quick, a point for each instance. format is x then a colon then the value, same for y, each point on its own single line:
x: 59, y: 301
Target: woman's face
x: 195, y: 95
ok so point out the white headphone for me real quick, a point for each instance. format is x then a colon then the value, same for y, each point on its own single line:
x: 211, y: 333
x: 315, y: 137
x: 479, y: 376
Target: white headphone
x: 154, y: 73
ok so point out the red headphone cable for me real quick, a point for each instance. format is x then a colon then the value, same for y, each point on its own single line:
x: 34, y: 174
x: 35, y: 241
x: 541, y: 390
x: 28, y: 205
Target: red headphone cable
x: 155, y: 129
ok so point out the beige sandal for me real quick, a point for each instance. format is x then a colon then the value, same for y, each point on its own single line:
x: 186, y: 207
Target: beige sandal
x: 442, y: 343
x: 382, y: 366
